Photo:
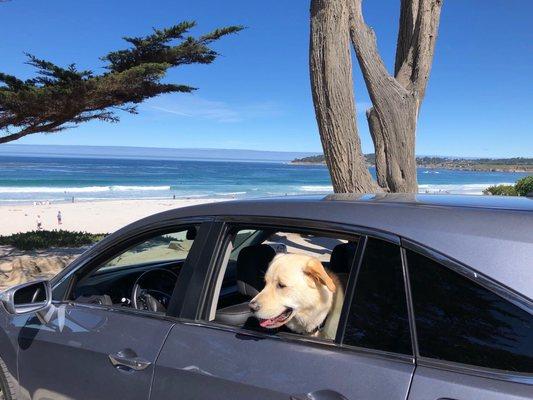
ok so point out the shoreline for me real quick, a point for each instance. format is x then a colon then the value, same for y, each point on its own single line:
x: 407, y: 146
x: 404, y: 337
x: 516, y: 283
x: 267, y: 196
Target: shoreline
x: 105, y: 216
x: 98, y: 216
x: 489, y: 168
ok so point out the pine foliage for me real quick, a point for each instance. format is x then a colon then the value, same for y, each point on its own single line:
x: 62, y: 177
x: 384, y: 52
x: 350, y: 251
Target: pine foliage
x: 58, y: 98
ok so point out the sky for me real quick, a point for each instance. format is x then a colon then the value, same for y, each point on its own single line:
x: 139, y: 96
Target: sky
x: 257, y: 94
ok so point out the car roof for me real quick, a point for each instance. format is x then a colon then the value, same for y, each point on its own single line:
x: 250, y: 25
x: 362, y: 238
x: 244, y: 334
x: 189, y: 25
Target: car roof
x: 492, y: 235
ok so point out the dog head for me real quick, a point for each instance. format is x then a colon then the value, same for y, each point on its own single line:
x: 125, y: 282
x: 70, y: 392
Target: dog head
x: 296, y: 287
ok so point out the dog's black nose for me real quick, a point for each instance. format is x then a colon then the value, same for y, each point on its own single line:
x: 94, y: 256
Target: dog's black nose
x: 254, y: 305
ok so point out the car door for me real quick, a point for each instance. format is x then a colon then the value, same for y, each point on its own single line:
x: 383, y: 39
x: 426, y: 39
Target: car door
x: 475, y: 338
x: 204, y: 360
x: 94, y: 351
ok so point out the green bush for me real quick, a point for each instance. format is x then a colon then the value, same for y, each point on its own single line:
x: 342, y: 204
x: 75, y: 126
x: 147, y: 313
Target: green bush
x: 524, y: 186
x: 501, y: 190
x: 46, y: 239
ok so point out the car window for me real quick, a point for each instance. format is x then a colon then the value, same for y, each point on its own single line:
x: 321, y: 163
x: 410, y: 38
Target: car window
x: 461, y: 321
x: 167, y: 247
x: 141, y: 277
x: 242, y: 279
x: 378, y: 317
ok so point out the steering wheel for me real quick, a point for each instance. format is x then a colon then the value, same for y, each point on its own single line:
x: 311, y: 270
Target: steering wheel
x: 143, y: 298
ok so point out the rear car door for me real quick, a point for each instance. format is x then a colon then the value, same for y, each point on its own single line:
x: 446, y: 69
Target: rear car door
x: 95, y: 345
x: 203, y: 359
x: 475, y: 338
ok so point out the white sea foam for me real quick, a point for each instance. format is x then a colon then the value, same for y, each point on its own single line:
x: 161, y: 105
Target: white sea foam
x: 470, y: 188
x: 316, y: 188
x: 231, y: 193
x: 85, y: 189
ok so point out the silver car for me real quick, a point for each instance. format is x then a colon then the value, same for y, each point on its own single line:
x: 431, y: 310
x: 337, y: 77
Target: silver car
x: 438, y: 305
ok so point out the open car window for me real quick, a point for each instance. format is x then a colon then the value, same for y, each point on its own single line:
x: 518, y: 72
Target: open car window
x: 242, y: 277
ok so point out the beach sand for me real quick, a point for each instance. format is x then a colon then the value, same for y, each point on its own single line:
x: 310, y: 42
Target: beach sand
x: 87, y: 216
x: 18, y: 266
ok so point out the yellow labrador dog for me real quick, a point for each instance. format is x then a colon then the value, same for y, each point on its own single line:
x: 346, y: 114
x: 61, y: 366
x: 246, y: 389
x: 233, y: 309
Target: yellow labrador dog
x: 300, y: 294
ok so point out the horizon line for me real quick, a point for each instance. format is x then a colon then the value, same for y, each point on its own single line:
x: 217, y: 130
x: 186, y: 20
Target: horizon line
x: 302, y: 153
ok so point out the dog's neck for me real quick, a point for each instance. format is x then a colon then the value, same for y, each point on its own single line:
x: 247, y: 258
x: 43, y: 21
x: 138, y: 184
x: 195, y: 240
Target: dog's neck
x: 324, y: 322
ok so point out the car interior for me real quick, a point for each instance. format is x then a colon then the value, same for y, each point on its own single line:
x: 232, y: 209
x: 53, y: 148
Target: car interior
x: 141, y: 277
x: 243, y: 277
x: 144, y: 275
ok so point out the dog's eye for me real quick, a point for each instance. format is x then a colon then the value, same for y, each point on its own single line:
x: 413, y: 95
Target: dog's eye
x: 281, y: 285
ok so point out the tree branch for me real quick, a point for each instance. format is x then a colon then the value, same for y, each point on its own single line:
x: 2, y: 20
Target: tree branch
x: 378, y: 81
x: 424, y: 46
x: 403, y: 65
x: 50, y: 127
x: 417, y: 35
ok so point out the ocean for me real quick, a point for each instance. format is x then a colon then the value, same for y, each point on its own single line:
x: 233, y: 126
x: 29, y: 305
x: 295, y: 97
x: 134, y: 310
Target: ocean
x: 46, y: 178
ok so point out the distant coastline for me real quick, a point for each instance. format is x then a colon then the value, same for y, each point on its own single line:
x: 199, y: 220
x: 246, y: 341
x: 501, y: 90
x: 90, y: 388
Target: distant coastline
x: 517, y: 164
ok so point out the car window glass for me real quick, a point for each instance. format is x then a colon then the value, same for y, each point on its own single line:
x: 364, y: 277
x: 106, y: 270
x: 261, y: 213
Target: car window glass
x: 142, y: 277
x: 378, y: 317
x: 166, y: 247
x: 243, y: 238
x: 461, y: 321
x: 243, y: 278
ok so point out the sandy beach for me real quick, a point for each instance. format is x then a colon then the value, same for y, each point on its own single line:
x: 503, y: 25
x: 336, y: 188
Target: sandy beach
x: 92, y: 217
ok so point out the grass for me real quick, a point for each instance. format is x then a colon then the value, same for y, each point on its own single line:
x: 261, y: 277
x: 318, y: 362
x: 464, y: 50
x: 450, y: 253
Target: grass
x: 35, y: 240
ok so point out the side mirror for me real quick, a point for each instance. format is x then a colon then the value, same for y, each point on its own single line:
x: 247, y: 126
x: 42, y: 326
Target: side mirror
x: 27, y: 298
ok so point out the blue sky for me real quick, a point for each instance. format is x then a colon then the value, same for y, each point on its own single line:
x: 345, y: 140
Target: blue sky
x: 257, y: 94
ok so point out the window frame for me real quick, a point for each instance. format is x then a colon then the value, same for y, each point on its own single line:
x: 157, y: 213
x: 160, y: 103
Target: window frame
x: 116, y: 244
x: 228, y: 223
x: 352, y: 284
x: 484, y: 281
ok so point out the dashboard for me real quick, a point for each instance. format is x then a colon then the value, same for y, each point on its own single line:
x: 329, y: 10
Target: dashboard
x: 130, y: 286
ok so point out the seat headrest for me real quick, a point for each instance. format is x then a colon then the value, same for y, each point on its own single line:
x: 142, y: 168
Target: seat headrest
x: 342, y: 258
x: 191, y: 233
x: 252, y: 264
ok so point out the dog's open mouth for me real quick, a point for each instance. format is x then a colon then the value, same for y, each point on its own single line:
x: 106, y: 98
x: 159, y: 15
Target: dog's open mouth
x: 278, y: 321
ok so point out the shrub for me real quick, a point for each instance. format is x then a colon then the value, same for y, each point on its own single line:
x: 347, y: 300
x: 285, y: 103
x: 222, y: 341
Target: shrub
x: 501, y: 190
x: 45, y: 239
x: 524, y: 186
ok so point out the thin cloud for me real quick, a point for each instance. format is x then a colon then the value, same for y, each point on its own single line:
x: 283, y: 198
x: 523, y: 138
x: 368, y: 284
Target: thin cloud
x: 219, y: 111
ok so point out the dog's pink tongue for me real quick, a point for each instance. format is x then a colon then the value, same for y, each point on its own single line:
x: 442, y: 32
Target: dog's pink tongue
x: 266, y: 323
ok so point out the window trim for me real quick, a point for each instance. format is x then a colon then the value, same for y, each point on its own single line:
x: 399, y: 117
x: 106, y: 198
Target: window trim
x: 485, y: 282
x: 295, y: 338
x: 471, y: 274
x: 310, y: 224
x: 358, y: 261
x: 113, y: 245
x: 473, y: 370
x: 350, y: 289
x: 228, y: 222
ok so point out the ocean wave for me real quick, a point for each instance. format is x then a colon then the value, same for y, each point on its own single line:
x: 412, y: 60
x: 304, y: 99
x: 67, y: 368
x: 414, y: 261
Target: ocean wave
x: 85, y: 189
x: 316, y: 188
x: 230, y: 193
x: 467, y: 188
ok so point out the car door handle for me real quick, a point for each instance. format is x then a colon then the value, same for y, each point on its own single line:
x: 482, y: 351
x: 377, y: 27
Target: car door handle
x: 128, y: 358
x: 320, y: 395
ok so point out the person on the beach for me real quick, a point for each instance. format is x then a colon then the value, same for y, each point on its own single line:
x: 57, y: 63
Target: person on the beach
x: 39, y: 223
x: 59, y: 218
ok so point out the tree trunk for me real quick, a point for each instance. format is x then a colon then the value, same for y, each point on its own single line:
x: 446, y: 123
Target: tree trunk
x: 333, y: 97
x: 392, y: 119
x: 396, y: 100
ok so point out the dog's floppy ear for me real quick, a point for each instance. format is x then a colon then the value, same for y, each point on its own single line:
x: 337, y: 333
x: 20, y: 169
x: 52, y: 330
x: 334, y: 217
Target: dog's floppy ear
x: 316, y: 271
